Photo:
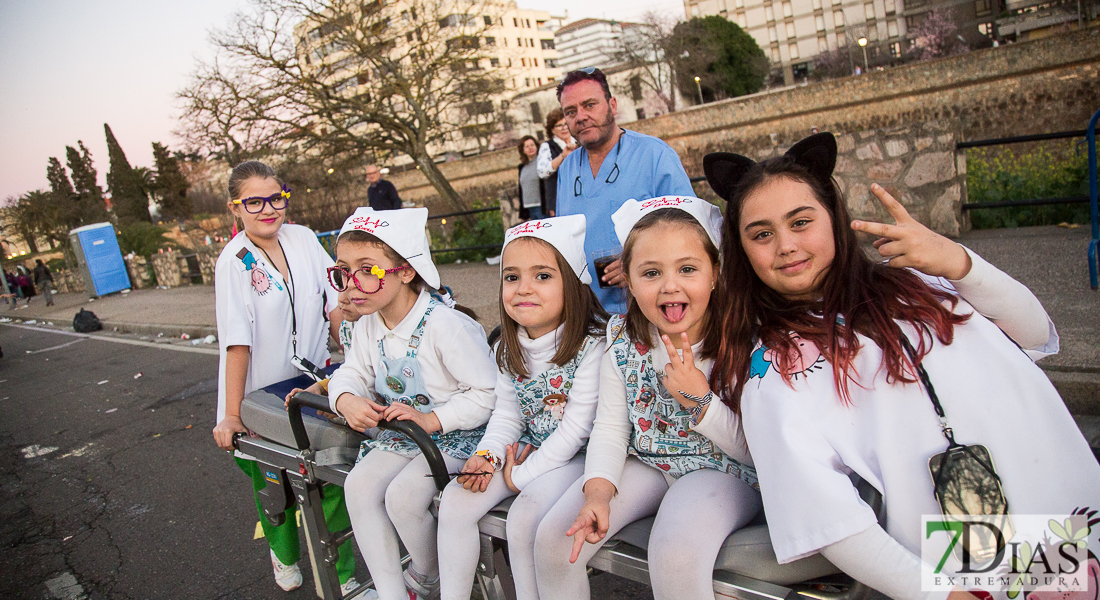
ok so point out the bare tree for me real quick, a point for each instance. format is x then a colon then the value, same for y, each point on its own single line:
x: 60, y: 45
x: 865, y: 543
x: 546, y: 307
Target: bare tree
x: 643, y: 47
x: 348, y: 80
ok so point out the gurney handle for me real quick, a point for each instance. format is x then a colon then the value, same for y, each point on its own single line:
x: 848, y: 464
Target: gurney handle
x: 416, y: 433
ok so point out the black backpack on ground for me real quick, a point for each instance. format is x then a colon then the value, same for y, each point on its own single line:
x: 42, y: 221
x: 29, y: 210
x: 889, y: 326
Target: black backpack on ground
x: 85, y: 321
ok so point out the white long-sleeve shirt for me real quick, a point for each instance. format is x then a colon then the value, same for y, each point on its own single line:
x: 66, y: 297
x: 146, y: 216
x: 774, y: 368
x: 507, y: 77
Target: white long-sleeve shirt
x: 454, y: 358
x: 507, y: 423
x: 612, y: 430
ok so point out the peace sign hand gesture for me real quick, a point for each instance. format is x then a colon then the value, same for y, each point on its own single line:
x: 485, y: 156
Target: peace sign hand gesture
x: 910, y: 244
x: 681, y: 375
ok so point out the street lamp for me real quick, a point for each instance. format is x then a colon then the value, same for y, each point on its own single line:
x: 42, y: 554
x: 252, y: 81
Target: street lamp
x: 700, y: 88
x: 863, y: 44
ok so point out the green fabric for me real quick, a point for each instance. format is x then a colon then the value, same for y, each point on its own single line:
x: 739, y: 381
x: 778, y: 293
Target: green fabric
x: 284, y: 538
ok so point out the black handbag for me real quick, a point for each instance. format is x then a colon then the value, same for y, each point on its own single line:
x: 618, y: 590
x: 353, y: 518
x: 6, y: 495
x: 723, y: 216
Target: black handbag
x: 966, y: 483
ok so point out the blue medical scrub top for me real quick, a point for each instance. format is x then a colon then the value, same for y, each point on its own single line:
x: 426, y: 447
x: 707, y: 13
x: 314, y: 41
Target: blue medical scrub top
x: 648, y: 167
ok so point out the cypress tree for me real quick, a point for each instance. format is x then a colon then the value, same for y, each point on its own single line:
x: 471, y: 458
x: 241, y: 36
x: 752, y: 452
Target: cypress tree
x: 127, y: 196
x: 62, y: 195
x: 170, y: 184
x: 92, y: 208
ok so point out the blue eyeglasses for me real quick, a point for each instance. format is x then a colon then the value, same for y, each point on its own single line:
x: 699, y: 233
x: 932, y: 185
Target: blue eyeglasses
x: 255, y: 204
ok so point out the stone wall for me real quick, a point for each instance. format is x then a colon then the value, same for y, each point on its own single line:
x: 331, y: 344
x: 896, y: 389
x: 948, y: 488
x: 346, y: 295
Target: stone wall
x: 1033, y: 87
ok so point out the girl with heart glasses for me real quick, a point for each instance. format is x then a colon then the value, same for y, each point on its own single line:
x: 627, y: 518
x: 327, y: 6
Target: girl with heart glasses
x: 659, y: 446
x: 549, y: 355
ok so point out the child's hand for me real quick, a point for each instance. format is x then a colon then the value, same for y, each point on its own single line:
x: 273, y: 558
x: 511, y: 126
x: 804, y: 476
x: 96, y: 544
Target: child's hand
x: 511, y: 460
x: 361, y: 413
x: 484, y: 473
x: 910, y: 244
x: 313, y: 389
x: 403, y: 412
x: 681, y: 375
x: 226, y: 429
x: 592, y: 521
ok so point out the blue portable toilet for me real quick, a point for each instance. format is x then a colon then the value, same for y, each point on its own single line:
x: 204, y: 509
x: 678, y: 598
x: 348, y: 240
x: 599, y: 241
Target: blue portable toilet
x: 100, y: 259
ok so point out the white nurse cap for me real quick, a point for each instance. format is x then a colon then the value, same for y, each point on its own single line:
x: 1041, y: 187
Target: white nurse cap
x: 708, y: 215
x: 402, y: 230
x: 565, y: 234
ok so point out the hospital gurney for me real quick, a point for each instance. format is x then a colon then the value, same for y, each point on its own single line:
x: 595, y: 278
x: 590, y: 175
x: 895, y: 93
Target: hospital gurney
x: 300, y: 451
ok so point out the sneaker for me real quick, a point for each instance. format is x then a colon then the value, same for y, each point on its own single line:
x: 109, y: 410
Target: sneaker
x: 420, y: 587
x: 349, y: 586
x: 289, y: 577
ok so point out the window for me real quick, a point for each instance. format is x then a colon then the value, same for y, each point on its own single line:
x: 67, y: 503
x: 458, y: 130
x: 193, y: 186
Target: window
x: 488, y: 20
x: 636, y: 88
x: 838, y: 18
x: 494, y: 62
x: 985, y: 29
x: 773, y: 35
x: 787, y: 10
x: 536, y: 63
x: 528, y: 23
x: 550, y: 64
x: 769, y: 13
x: 640, y: 113
x: 527, y: 83
x: 519, y: 42
x: 891, y: 6
x: 983, y: 8
x: 479, y: 108
x: 869, y: 11
x: 822, y: 44
x: 490, y: 41
x: 457, y: 21
x: 523, y: 62
x: 540, y: 80
x: 841, y: 40
x: 515, y: 22
x: 547, y: 44
x: 793, y: 49
x: 819, y: 21
x: 530, y: 42
x: 892, y: 29
x: 790, y: 31
x: 464, y: 42
x: 775, y: 55
x: 895, y: 49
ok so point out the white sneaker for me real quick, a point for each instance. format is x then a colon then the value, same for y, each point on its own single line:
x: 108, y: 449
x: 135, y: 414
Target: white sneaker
x: 289, y: 577
x: 349, y: 586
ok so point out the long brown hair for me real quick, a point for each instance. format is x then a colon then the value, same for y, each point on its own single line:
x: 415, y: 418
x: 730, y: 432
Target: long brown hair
x: 581, y: 314
x: 637, y: 325
x: 858, y: 296
x: 417, y: 283
x: 523, y: 158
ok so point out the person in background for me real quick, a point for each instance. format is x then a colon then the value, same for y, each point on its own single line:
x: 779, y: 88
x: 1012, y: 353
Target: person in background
x: 381, y: 194
x: 44, y: 280
x: 529, y: 190
x: 23, y: 278
x: 612, y: 166
x: 558, y: 145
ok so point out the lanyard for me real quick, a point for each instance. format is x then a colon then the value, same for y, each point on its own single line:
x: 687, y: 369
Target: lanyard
x: 290, y: 292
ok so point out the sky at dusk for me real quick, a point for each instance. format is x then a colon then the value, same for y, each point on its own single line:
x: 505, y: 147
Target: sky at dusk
x: 70, y: 66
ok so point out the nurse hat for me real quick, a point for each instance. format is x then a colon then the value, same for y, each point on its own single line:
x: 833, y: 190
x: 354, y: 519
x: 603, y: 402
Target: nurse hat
x: 403, y: 231
x: 707, y: 214
x: 565, y: 234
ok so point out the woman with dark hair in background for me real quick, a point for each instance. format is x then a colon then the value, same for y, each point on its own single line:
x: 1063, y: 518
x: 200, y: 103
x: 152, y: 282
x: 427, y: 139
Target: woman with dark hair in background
x: 559, y: 143
x: 529, y: 189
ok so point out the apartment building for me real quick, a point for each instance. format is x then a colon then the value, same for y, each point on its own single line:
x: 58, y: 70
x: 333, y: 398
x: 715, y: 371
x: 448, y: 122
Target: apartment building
x: 793, y: 32
x: 588, y: 43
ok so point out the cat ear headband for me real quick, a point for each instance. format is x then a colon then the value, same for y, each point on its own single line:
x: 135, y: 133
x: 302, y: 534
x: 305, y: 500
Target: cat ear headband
x: 816, y: 153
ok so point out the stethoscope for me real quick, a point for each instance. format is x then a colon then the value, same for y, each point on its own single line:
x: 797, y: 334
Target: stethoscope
x: 613, y: 176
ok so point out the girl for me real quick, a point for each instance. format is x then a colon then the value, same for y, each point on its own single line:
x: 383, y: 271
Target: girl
x: 411, y: 358
x: 689, y: 464
x: 529, y: 190
x: 558, y: 145
x: 822, y: 350
x: 549, y: 360
x: 271, y: 305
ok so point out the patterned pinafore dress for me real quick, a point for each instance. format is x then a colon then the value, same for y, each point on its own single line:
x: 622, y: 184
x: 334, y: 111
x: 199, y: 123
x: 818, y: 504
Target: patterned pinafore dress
x: 400, y: 380
x: 662, y: 436
x: 542, y: 398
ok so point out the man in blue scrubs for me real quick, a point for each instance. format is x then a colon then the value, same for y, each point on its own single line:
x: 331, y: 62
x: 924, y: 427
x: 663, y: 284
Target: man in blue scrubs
x: 611, y: 166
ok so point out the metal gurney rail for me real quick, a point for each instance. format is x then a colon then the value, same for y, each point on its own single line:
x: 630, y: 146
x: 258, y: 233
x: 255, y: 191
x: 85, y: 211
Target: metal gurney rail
x: 746, y: 568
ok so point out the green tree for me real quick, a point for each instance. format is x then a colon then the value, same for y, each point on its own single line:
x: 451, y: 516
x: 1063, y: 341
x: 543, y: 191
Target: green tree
x: 170, y: 185
x: 142, y: 238
x: 725, y: 58
x: 91, y: 207
x: 127, y: 196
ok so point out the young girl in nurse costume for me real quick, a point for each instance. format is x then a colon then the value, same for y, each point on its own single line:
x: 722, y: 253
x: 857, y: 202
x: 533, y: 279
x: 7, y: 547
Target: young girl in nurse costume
x: 549, y: 355
x: 411, y: 358
x: 271, y: 300
x: 659, y: 444
x: 813, y: 358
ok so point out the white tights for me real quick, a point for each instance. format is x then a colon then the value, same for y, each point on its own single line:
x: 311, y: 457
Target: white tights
x: 458, y: 533
x: 388, y: 496
x: 695, y: 514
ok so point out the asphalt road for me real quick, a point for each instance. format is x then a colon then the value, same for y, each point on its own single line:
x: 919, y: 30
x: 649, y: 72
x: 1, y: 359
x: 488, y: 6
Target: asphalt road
x: 111, y: 485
